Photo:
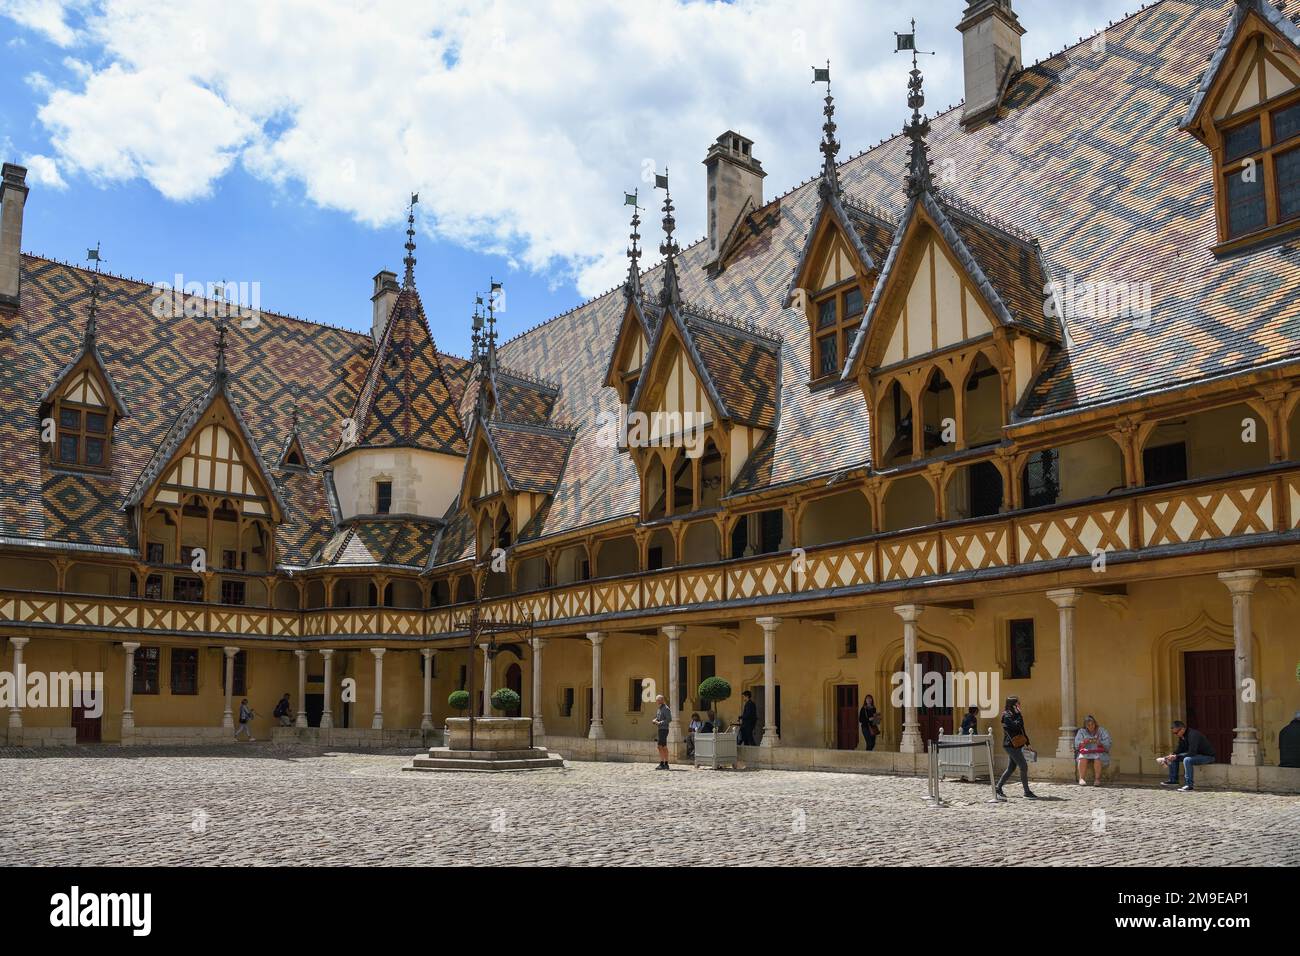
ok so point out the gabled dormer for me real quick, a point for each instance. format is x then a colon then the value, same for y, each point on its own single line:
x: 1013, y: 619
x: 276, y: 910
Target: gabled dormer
x: 82, y: 406
x: 292, y: 454
x: 207, y: 487
x: 955, y: 330
x: 1246, y: 110
x: 839, y: 262
x: 628, y: 356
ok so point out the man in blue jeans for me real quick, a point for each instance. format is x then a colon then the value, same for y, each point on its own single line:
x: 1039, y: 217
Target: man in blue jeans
x: 1193, y: 749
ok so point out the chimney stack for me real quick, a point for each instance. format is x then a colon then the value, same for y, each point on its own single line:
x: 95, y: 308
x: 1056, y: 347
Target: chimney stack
x: 13, y: 195
x: 386, y: 292
x: 734, y: 178
x: 990, y: 40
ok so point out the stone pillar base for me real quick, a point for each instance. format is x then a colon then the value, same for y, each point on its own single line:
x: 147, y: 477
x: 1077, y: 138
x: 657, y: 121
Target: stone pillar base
x: 1065, y: 743
x: 327, y: 721
x: 911, y: 742
x: 300, y: 721
x: 770, y: 739
x: 1245, y: 747
x: 597, y: 731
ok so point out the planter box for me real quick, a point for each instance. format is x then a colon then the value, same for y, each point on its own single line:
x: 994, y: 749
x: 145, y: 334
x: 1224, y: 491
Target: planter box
x: 490, y: 733
x: 968, y: 763
x: 714, y: 749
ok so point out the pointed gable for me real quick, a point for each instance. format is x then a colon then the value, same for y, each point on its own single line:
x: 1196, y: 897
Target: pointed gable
x: 950, y: 277
x: 1257, y: 59
x: 844, y: 242
x: 406, y: 400
x: 209, y: 450
x: 628, y: 356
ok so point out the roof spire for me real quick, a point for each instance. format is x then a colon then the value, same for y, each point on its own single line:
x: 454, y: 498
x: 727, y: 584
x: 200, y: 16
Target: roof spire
x: 476, y: 339
x: 830, y: 146
x: 671, y: 296
x: 918, y: 164
x: 221, y: 372
x: 489, y: 343
x: 92, y: 322
x: 409, y: 282
x: 632, y: 288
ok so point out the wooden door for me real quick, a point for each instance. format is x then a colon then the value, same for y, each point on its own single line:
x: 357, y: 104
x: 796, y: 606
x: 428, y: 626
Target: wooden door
x: 934, y: 720
x: 89, y: 729
x: 846, y: 716
x: 1211, y: 701
x: 515, y: 681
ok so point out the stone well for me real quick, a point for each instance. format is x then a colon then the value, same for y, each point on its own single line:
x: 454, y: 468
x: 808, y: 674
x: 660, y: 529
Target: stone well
x: 490, y: 733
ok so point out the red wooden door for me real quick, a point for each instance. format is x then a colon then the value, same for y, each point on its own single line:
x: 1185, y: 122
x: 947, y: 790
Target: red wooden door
x: 934, y: 720
x: 1211, y: 700
x: 89, y: 729
x: 846, y: 716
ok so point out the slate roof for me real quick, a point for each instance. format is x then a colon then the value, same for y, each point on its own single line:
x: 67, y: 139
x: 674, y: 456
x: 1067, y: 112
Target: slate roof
x: 531, y: 456
x: 398, y: 541
x: 1086, y: 157
x: 406, y: 400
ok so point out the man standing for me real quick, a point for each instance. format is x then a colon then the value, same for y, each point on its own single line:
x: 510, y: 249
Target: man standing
x: 748, y: 720
x: 1193, y: 749
x: 663, y: 717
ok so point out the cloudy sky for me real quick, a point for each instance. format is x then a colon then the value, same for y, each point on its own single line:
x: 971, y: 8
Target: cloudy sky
x: 277, y: 141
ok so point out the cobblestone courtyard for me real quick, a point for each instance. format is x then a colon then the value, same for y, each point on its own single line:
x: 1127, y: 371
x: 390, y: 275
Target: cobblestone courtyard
x: 263, y: 805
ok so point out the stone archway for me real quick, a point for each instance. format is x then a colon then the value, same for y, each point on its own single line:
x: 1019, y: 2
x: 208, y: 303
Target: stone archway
x: 1168, y: 695
x: 892, y: 725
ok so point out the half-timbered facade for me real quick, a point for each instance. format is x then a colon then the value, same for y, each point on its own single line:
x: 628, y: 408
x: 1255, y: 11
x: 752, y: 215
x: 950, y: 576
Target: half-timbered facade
x: 1014, y: 393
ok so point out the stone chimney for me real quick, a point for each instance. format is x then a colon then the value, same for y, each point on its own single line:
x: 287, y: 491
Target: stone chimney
x: 990, y: 40
x: 386, y: 291
x: 734, y: 177
x: 13, y: 195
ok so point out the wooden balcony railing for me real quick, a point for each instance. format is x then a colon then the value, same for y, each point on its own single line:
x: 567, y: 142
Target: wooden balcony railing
x: 1236, y: 507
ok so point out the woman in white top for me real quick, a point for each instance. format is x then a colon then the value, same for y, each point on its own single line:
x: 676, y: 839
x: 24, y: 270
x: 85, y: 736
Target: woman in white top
x: 1092, y: 746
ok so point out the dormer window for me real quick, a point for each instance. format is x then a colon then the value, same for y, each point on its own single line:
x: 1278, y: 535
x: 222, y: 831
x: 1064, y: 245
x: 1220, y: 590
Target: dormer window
x: 83, y: 436
x: 1260, y: 150
x: 383, y: 497
x: 836, y: 314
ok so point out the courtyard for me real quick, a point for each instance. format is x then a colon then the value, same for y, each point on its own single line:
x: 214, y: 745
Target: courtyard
x: 264, y: 805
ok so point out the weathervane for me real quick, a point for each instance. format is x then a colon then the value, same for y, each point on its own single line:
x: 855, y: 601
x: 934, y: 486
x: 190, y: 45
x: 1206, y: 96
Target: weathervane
x: 830, y: 146
x: 671, y: 295
x: 632, y: 288
x: 918, y: 167
x: 92, y: 322
x: 410, y: 241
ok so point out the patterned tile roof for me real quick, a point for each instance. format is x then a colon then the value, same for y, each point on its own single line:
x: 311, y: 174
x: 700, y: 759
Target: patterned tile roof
x: 406, y: 400
x: 743, y: 368
x: 402, y: 542
x: 531, y: 457
x: 1086, y: 156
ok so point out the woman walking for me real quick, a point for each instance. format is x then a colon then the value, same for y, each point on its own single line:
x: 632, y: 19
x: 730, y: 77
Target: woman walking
x: 1014, y: 742
x: 868, y: 721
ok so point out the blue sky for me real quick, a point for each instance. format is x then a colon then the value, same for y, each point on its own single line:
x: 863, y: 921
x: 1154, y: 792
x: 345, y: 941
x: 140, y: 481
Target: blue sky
x: 277, y: 143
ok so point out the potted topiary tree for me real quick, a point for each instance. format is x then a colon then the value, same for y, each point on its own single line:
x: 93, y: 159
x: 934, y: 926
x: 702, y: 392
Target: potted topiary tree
x: 719, y: 746
x: 505, y: 700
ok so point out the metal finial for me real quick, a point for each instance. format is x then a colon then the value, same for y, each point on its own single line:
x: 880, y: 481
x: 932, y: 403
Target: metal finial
x: 830, y: 147
x: 92, y: 320
x: 490, y: 336
x: 410, y: 241
x: 221, y: 348
x: 918, y: 165
x: 476, y: 338
x: 671, y: 296
x: 632, y: 288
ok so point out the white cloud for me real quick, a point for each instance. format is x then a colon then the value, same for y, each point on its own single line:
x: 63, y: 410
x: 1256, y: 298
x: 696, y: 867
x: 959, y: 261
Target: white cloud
x: 46, y: 17
x: 44, y: 171
x: 519, y: 123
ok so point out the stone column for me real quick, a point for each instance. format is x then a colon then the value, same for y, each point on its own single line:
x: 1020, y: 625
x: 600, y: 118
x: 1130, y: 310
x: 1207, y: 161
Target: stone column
x: 1245, y: 736
x: 597, y: 731
x: 1065, y: 599
x: 227, y: 718
x: 769, y: 626
x: 327, y: 711
x: 674, y: 632
x: 911, y: 740
x: 487, y: 681
x: 301, y: 719
x: 128, y: 711
x: 539, y: 728
x: 426, y: 718
x: 20, y: 682
x: 377, y: 723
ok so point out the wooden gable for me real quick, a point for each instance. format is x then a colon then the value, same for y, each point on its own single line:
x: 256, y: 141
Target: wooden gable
x: 1260, y: 67
x: 831, y: 258
x: 928, y: 302
x: 671, y: 383
x: 215, y: 459
x: 629, y: 354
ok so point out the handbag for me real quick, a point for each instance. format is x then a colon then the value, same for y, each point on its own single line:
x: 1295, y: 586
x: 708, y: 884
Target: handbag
x: 1019, y: 740
x: 1030, y: 755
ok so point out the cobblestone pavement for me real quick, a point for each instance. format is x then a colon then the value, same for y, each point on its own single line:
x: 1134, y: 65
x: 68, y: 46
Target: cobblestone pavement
x: 262, y: 805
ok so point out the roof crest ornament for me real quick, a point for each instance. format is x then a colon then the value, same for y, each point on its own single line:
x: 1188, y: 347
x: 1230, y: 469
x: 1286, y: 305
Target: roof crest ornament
x: 409, y: 281
x: 670, y: 296
x: 918, y: 166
